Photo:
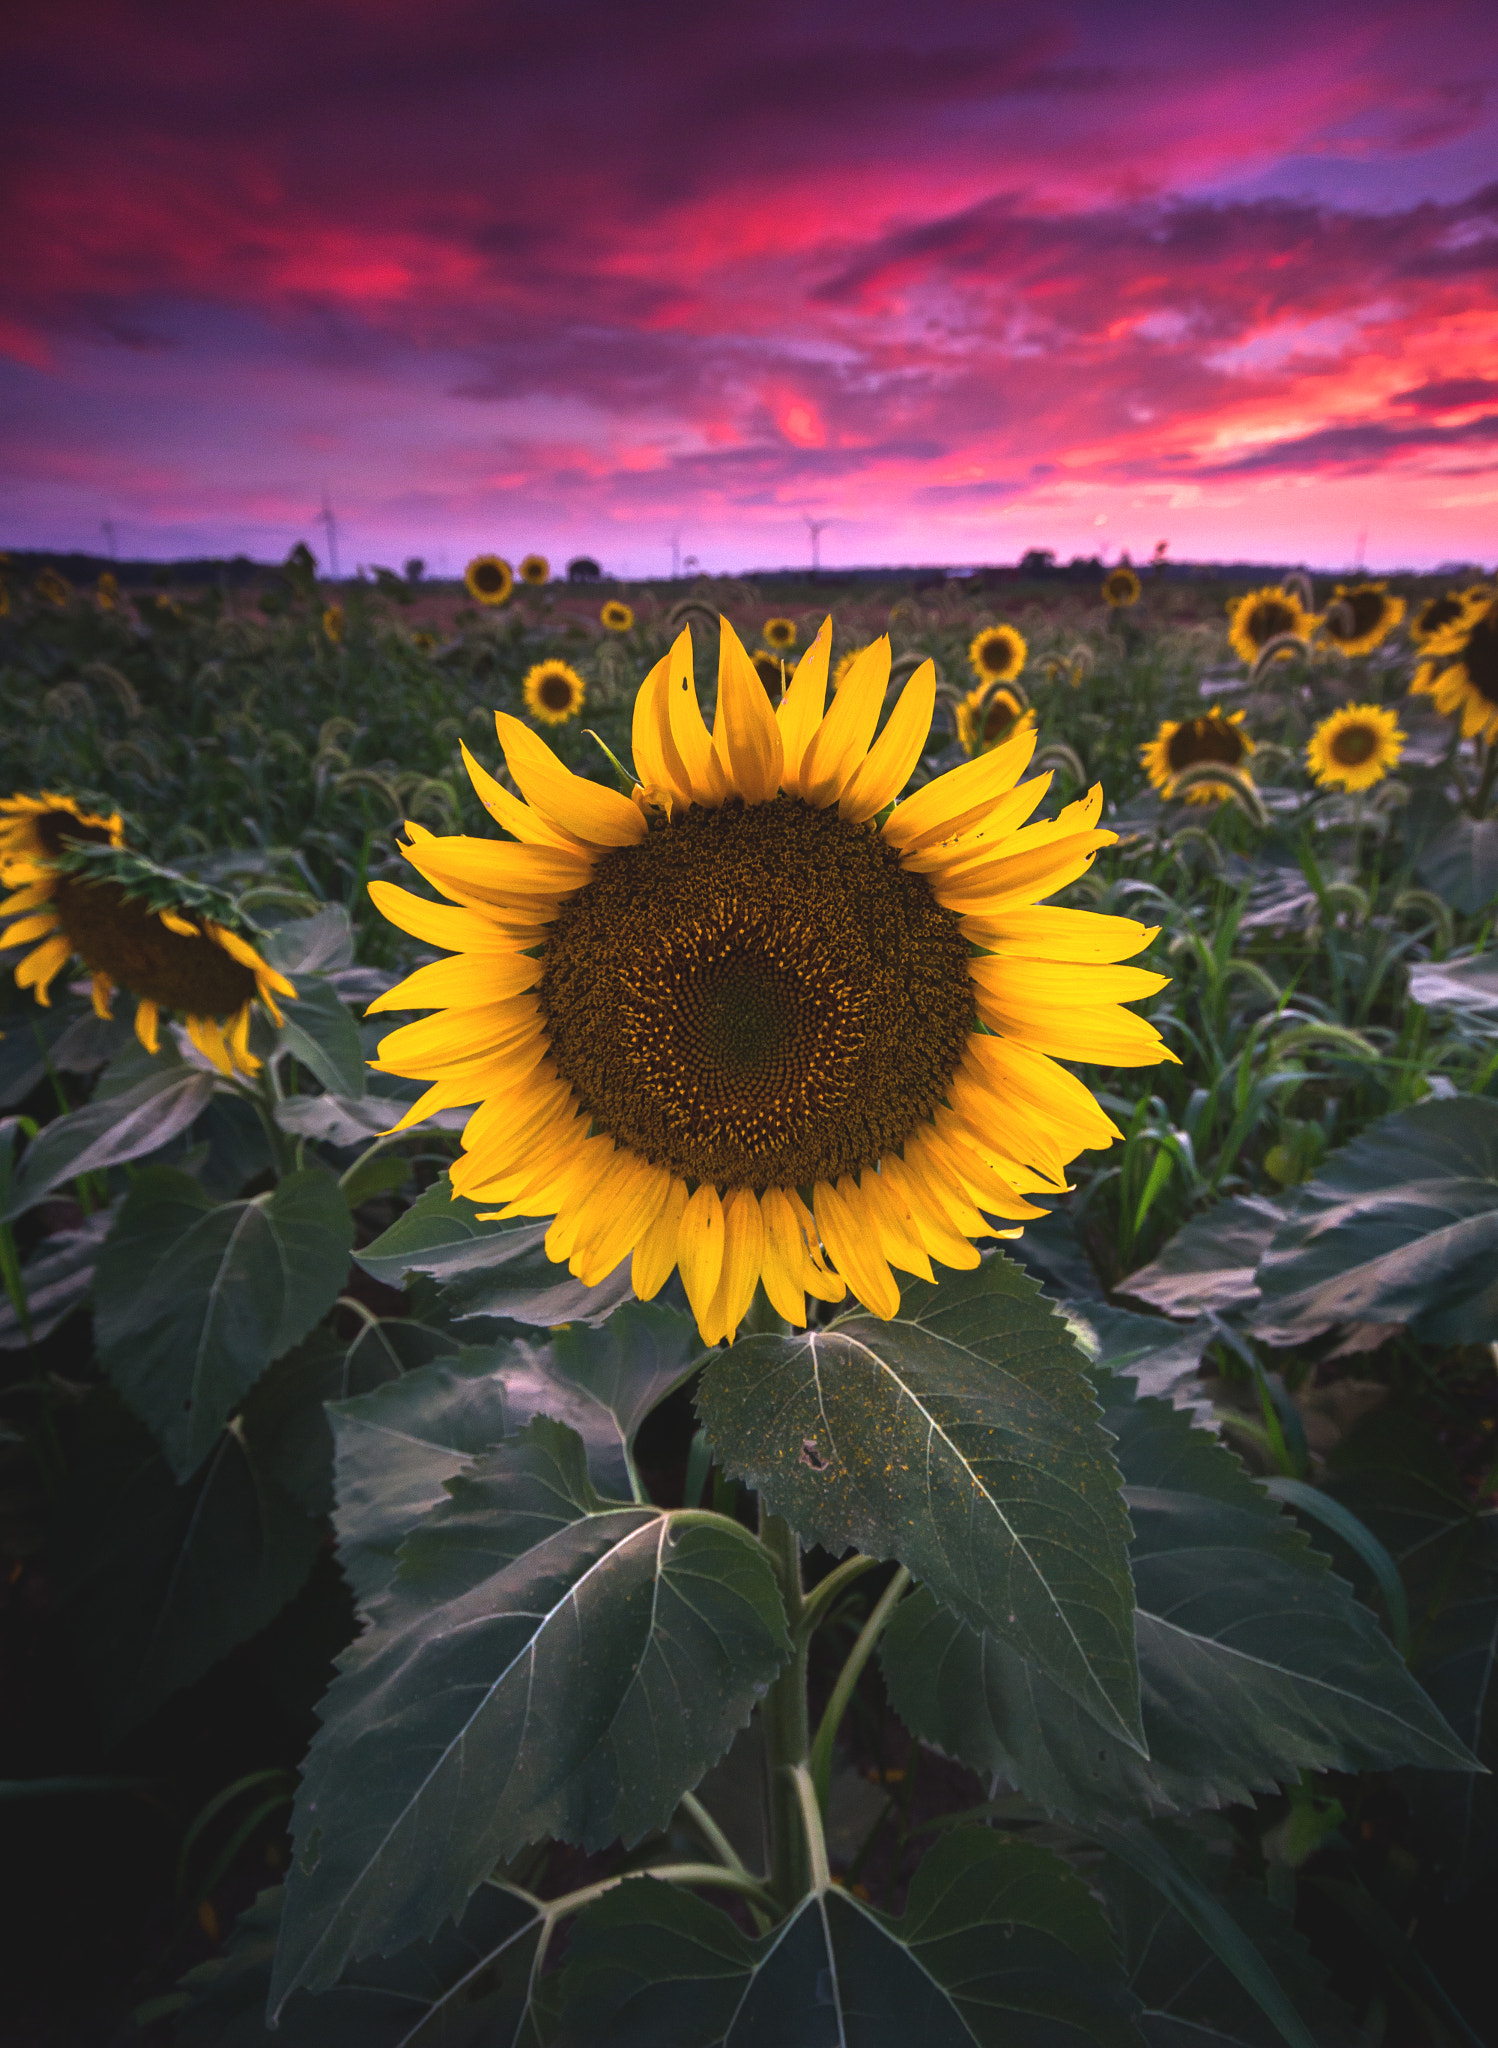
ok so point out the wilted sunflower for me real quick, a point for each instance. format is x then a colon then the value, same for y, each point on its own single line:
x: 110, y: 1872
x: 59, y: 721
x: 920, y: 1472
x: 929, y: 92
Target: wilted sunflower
x: 997, y: 654
x: 488, y: 579
x: 780, y: 634
x: 332, y: 623
x: 616, y: 616
x: 1121, y: 586
x: 1360, y: 615
x: 1179, y: 744
x: 554, y: 692
x: 52, y: 588
x: 1437, y: 614
x: 1355, y: 747
x: 108, y: 590
x: 536, y: 570
x: 771, y: 671
x: 172, y: 943
x: 1461, y: 670
x: 732, y: 1025
x: 1265, y: 615
x: 988, y: 716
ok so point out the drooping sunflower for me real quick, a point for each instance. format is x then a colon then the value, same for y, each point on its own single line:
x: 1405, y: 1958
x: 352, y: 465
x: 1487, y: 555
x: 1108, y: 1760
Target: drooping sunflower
x: 1355, y: 747
x: 771, y: 671
x: 1183, y: 743
x: 332, y: 623
x: 489, y: 579
x: 52, y: 588
x: 732, y: 1025
x: 1265, y: 615
x: 108, y: 590
x: 1438, y: 614
x: 1360, y: 615
x: 172, y: 943
x: 554, y: 692
x: 535, y: 570
x: 1460, y: 670
x: 780, y: 634
x: 1121, y: 586
x: 997, y: 654
x: 990, y: 715
x: 617, y: 616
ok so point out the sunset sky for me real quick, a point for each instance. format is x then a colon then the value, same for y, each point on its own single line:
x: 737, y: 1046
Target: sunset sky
x: 958, y: 279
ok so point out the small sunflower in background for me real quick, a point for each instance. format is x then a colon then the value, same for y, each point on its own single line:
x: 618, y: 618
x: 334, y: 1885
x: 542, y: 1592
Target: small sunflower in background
x: 1438, y: 614
x: 488, y: 579
x: 990, y: 715
x: 1121, y: 586
x: 53, y: 589
x: 1355, y: 747
x: 771, y: 671
x: 1265, y: 615
x: 553, y: 692
x: 332, y: 623
x: 108, y: 591
x: 1360, y: 615
x: 535, y: 570
x: 1185, y: 743
x: 780, y: 634
x: 1460, y: 669
x: 997, y: 654
x: 423, y: 641
x: 617, y: 616
x: 4, y: 600
x: 846, y: 665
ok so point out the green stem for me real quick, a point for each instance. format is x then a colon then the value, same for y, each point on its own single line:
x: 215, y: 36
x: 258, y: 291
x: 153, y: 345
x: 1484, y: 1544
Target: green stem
x: 811, y: 1822
x: 818, y: 1602
x: 787, y: 1727
x: 847, y: 1679
x: 713, y: 1835
x: 555, y: 1910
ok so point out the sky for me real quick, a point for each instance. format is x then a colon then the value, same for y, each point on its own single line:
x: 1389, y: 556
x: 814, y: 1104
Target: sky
x: 663, y: 281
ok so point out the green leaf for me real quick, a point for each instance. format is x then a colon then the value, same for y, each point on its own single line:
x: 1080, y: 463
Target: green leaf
x: 1400, y: 1226
x: 1255, y: 1661
x: 544, y: 1663
x: 961, y: 1438
x: 1461, y: 863
x: 159, y: 1581
x: 192, y: 1300
x: 320, y: 1033
x: 108, y: 1132
x: 1160, y: 1357
x: 337, y: 1119
x: 1469, y: 985
x: 1000, y: 1944
x: 468, y: 1988
x: 1209, y: 1266
x: 319, y: 944
x: 55, y: 1280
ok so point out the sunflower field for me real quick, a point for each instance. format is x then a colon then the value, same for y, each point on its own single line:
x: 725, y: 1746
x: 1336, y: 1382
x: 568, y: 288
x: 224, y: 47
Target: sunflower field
x: 747, y: 1313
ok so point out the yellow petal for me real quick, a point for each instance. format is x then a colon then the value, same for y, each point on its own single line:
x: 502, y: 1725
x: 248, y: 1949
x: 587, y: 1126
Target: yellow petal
x: 934, y: 1233
x: 445, y: 925
x: 636, y: 1201
x: 689, y: 735
x: 575, y: 1182
x: 700, y: 1249
x: 657, y: 762
x: 655, y: 1254
x: 583, y: 810
x: 891, y: 1219
x: 745, y: 735
x: 995, y: 826
x: 528, y: 826
x: 465, y: 982
x: 743, y: 1251
x: 937, y: 811
x: 890, y: 760
x: 1101, y: 1034
x: 441, y: 1095
x: 100, y: 991
x: 40, y: 969
x: 29, y: 929
x: 841, y: 741
x: 800, y: 710
x: 209, y: 1040
x: 851, y: 1239
x: 1051, y: 984
x: 1042, y: 933
x: 457, y: 1037
x: 146, y: 1020
x: 934, y: 1174
x: 497, y: 871
x: 1017, y: 1073
x: 785, y: 1256
x: 1022, y: 876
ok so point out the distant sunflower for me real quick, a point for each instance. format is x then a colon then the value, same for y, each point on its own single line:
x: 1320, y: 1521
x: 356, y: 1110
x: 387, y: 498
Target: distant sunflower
x: 535, y: 570
x: 1360, y: 615
x: 997, y: 654
x: 733, y: 1026
x: 988, y: 716
x: 423, y: 641
x: 52, y: 589
x: 617, y: 616
x: 771, y: 671
x: 4, y: 600
x: 1265, y: 615
x: 489, y: 579
x: 846, y: 665
x: 1460, y: 671
x: 108, y: 590
x: 1438, y: 614
x: 1179, y: 744
x: 1355, y: 747
x: 332, y: 623
x: 554, y: 692
x: 1121, y: 586
x: 780, y: 634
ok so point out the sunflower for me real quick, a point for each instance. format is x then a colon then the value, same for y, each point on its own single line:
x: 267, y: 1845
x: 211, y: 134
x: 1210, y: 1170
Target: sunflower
x: 734, y: 1025
x: 1265, y: 615
x: 1438, y: 614
x: 423, y: 641
x: 488, y: 579
x: 1360, y: 615
x: 53, y: 589
x: 616, y: 616
x: 4, y: 601
x: 1460, y: 670
x: 332, y: 623
x: 997, y: 654
x: 771, y: 671
x: 1215, y: 736
x: 1121, y: 586
x: 172, y: 943
x: 108, y: 590
x: 780, y: 634
x: 988, y: 716
x: 553, y: 692
x: 1355, y: 747
x: 536, y: 570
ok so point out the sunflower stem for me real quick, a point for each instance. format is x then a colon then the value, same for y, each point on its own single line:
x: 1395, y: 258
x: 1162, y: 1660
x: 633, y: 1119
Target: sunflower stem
x: 847, y: 1679
x: 787, y: 1724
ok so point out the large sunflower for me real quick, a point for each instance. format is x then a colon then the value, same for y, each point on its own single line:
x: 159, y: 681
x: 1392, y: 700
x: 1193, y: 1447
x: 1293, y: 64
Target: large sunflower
x: 997, y: 654
x: 489, y: 579
x: 1184, y: 743
x: 1360, y: 615
x: 735, y: 1026
x: 1265, y: 615
x: 553, y: 692
x: 988, y: 716
x: 1121, y: 586
x: 1460, y: 670
x: 1438, y: 614
x: 1355, y: 747
x: 535, y: 570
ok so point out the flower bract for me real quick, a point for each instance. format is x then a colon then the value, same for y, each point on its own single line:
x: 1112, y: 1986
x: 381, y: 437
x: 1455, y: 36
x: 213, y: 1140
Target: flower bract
x: 488, y: 579
x: 1460, y: 669
x: 553, y: 692
x: 997, y: 654
x: 1355, y: 747
x: 1186, y: 743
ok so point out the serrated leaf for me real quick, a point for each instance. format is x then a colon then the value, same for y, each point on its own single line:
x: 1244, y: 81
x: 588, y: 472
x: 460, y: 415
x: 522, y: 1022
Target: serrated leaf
x: 105, y: 1133
x: 193, y: 1300
x: 1209, y: 1266
x: 1461, y: 863
x: 1400, y: 1226
x: 543, y: 1664
x: 1000, y: 1944
x: 320, y: 944
x: 1255, y: 1661
x: 961, y: 1438
x: 1159, y: 1357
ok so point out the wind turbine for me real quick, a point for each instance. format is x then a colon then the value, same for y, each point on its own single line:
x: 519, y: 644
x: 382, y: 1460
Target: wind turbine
x: 815, y: 527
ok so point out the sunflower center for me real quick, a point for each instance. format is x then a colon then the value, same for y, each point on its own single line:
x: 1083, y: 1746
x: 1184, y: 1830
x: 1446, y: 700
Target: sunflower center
x: 555, y: 692
x: 1365, y: 609
x: 1000, y: 716
x: 1268, y: 620
x: 995, y: 653
x: 487, y: 577
x: 757, y: 996
x: 1441, y: 611
x: 115, y: 935
x: 1354, y: 745
x: 1204, y: 739
x: 1480, y: 656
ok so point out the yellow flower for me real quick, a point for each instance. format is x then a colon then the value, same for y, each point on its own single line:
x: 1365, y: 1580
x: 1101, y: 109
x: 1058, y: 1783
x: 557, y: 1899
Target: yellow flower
x: 987, y: 717
x: 1461, y: 670
x: 733, y: 1026
x: 553, y: 692
x: 1355, y: 747
x: 771, y: 671
x: 616, y: 616
x: 997, y: 654
x: 1262, y: 616
x: 52, y: 588
x: 1360, y: 615
x: 1121, y: 586
x: 1437, y: 614
x: 332, y: 623
x: 170, y: 942
x: 489, y: 580
x: 424, y: 641
x: 109, y: 590
x: 780, y: 634
x: 535, y: 569
x: 1179, y: 744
